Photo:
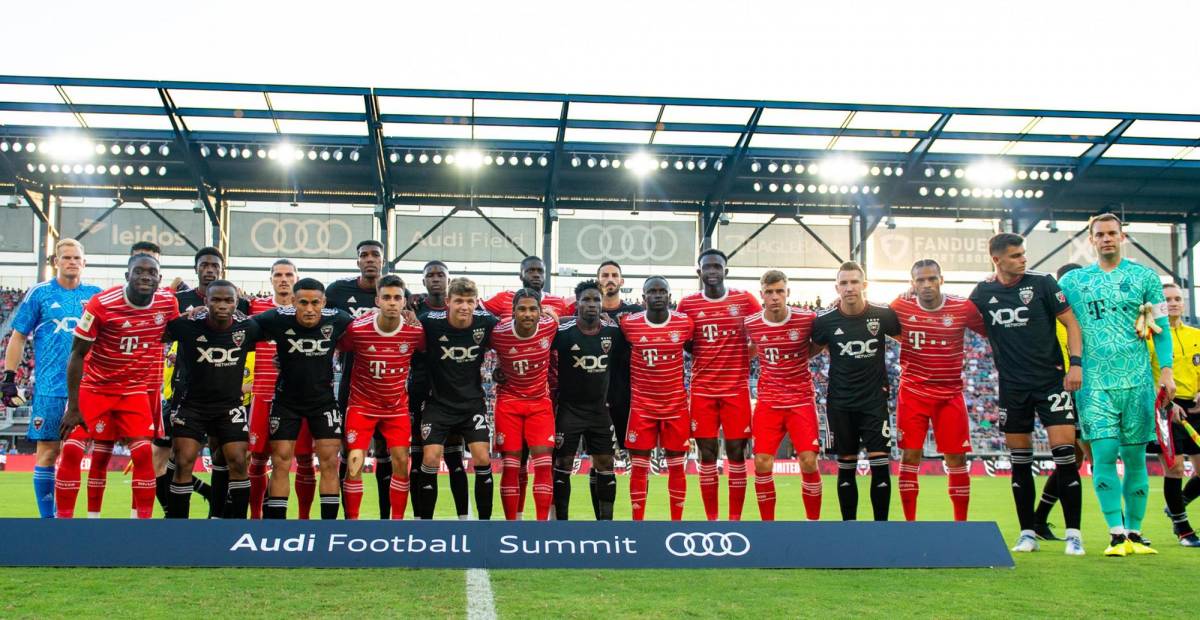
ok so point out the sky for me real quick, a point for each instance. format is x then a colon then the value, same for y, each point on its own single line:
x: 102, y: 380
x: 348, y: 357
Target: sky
x: 1095, y: 55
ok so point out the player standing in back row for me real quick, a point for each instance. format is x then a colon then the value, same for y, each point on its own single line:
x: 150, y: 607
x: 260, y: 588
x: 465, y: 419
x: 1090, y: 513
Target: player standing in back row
x: 720, y: 398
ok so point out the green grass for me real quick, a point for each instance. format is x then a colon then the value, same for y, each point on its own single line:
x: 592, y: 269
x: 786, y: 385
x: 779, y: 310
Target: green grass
x: 1043, y: 584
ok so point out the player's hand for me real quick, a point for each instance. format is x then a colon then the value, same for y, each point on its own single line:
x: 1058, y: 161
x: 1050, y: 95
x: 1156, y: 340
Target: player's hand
x: 414, y: 301
x: 1166, y: 379
x: 1074, y: 379
x: 550, y: 313
x: 71, y: 419
x: 1177, y: 414
x: 410, y: 318
x: 9, y: 392
x: 194, y: 310
x: 498, y: 376
x: 175, y: 284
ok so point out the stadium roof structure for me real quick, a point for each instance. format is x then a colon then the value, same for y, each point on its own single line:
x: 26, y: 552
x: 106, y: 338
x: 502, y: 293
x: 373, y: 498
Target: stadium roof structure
x: 135, y: 140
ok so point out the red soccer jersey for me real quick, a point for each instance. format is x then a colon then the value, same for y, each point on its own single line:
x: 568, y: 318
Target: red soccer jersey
x: 127, y: 341
x: 501, y: 304
x: 931, y: 344
x: 720, y: 358
x: 784, y: 378
x: 525, y: 361
x: 381, y: 364
x: 656, y: 364
x: 265, y: 370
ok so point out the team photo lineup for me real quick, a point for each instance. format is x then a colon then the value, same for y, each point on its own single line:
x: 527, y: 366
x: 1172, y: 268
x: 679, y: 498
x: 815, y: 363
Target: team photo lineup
x: 322, y: 382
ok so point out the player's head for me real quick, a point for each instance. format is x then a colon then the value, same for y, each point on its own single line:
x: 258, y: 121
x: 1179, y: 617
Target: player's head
x: 712, y: 267
x: 589, y: 301
x: 526, y: 309
x: 309, y: 301
x: 1106, y: 235
x: 927, y: 280
x: 1174, y: 295
x: 774, y: 288
x: 434, y: 276
x: 851, y: 282
x: 69, y: 259
x: 209, y: 264
x: 370, y: 258
x: 462, y: 296
x: 533, y: 273
x: 142, y: 274
x: 283, y: 276
x: 610, y: 278
x: 221, y: 298
x: 145, y: 247
x: 1065, y: 269
x: 1008, y: 254
x: 390, y: 296
x: 656, y: 293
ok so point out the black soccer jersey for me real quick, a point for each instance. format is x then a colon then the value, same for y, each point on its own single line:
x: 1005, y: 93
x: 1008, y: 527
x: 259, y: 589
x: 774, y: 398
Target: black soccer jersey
x: 857, y: 369
x: 454, y: 359
x: 345, y: 294
x: 1020, y: 327
x: 192, y: 298
x: 618, y: 381
x: 418, y: 374
x: 210, y: 364
x: 305, y: 354
x: 585, y: 363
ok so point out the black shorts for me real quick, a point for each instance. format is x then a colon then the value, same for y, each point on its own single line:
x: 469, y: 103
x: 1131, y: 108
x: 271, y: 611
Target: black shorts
x: 865, y: 427
x: 225, y: 424
x: 1053, y: 405
x: 573, y: 424
x: 618, y: 412
x: 438, y: 424
x: 324, y: 420
x: 1183, y: 442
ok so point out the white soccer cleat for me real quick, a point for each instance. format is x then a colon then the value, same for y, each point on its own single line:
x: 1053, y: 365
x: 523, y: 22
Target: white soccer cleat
x: 1027, y: 543
x: 1074, y: 546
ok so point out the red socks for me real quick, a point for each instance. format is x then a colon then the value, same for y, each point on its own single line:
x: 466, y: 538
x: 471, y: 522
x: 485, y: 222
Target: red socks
x: 306, y: 484
x: 764, y: 488
x: 736, y: 472
x: 398, y: 492
x: 510, y: 487
x: 258, y: 484
x: 960, y: 491
x: 810, y: 491
x: 98, y: 476
x: 66, y: 478
x: 543, y: 484
x: 142, y: 456
x: 639, y: 479
x: 353, y: 492
x: 909, y: 488
x: 676, y: 486
x: 709, y: 485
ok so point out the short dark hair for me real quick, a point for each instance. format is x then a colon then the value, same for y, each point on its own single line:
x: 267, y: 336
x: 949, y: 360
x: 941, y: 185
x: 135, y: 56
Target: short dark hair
x: 142, y: 247
x: 587, y: 285
x: 923, y: 263
x: 309, y: 284
x: 367, y: 242
x: 1104, y: 217
x: 530, y: 259
x: 852, y: 266
x: 283, y: 261
x: 208, y: 251
x: 522, y: 293
x: 1067, y: 268
x: 216, y: 283
x: 139, y: 256
x: 607, y: 263
x: 435, y: 263
x: 663, y: 278
x: 1002, y: 241
x: 712, y: 252
x: 389, y: 280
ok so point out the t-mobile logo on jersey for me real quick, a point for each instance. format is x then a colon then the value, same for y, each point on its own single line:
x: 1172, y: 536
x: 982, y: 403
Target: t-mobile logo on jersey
x: 378, y: 368
x: 520, y: 366
x: 650, y: 356
x: 591, y: 363
x: 218, y: 356
x: 128, y: 344
x: 710, y: 332
x: 1009, y: 317
x: 1097, y: 308
x: 771, y: 355
x: 917, y: 339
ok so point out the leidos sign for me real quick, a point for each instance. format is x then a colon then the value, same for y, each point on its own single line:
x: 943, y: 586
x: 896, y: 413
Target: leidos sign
x: 499, y: 544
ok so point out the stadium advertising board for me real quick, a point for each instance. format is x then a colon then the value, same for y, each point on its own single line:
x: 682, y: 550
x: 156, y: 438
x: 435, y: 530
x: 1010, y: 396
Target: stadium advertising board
x: 629, y: 242
x: 464, y: 239
x: 500, y: 544
x: 16, y: 230
x: 784, y: 244
x: 298, y: 235
x: 132, y: 223
x: 1040, y: 243
x: 955, y: 249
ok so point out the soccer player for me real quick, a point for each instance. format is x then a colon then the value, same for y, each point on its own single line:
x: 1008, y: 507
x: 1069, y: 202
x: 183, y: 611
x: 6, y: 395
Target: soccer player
x: 266, y: 370
x: 1019, y: 309
x: 455, y: 340
x: 383, y: 346
x: 932, y: 335
x: 1186, y: 341
x: 49, y: 313
x: 720, y: 396
x: 305, y: 334
x: 779, y: 336
x: 435, y: 276
x: 356, y: 295
x: 658, y: 414
x: 586, y: 345
x: 1116, y: 402
x: 611, y: 281
x: 117, y: 340
x: 207, y: 400
x: 856, y: 333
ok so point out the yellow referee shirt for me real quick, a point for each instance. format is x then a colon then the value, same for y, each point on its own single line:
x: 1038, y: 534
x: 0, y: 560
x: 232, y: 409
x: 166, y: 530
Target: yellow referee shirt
x: 1186, y: 340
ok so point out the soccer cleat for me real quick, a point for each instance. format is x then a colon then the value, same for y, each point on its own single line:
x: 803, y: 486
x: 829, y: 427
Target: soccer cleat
x: 1043, y: 531
x: 1118, y: 547
x: 1026, y: 544
x: 1074, y: 546
x: 1189, y: 540
x: 1138, y: 546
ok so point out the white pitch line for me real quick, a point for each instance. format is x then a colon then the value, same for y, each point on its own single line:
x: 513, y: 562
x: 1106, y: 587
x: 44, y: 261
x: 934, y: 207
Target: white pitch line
x: 481, y: 604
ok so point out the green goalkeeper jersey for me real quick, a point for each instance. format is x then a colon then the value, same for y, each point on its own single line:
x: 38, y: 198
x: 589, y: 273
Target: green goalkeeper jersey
x: 1107, y: 306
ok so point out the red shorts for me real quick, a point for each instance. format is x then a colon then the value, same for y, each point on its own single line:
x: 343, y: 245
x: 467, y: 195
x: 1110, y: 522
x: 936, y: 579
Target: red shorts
x: 524, y: 422
x: 644, y: 433
x: 260, y: 429
x: 110, y: 417
x: 772, y: 422
x: 362, y: 424
x: 730, y: 414
x: 948, y: 414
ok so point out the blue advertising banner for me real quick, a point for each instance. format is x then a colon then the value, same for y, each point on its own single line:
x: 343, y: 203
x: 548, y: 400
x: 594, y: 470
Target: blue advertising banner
x: 499, y: 544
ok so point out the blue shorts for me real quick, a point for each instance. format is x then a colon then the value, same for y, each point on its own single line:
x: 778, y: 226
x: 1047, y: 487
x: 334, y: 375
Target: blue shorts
x: 47, y: 416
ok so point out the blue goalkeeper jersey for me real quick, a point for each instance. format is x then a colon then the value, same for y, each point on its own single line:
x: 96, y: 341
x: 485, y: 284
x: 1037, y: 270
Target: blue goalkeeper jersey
x: 48, y: 315
x: 1107, y: 306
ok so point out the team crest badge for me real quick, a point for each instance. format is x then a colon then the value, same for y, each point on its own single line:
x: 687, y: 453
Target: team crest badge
x: 404, y: 347
x: 1026, y: 295
x: 693, y: 426
x: 499, y: 439
x: 478, y: 335
x: 425, y: 429
x: 605, y: 344
x: 545, y: 344
x: 1196, y: 360
x: 558, y: 440
x: 37, y: 423
x: 1125, y: 287
x: 947, y: 321
x: 631, y: 437
x: 326, y: 331
x: 238, y: 338
x: 674, y: 336
x: 1061, y: 297
x: 253, y: 438
x: 734, y: 310
x: 159, y: 318
x: 793, y: 335
x: 100, y: 427
x: 873, y: 326
x: 351, y: 436
x: 274, y: 425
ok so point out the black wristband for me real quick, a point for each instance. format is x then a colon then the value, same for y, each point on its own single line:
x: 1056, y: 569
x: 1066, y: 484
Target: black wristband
x: 10, y: 376
x: 1075, y: 360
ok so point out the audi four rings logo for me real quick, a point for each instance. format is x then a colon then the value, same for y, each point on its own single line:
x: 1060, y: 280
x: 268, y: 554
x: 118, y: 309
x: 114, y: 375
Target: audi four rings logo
x: 707, y: 544
x: 296, y: 236
x: 635, y: 242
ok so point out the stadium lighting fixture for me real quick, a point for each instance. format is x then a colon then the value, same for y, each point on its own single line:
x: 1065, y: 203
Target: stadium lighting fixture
x: 68, y: 149
x: 408, y: 157
x: 944, y: 173
x: 812, y: 189
x: 115, y: 149
x: 1008, y: 193
x: 843, y: 169
x: 679, y: 165
x: 575, y: 161
x: 887, y: 171
x: 952, y: 192
x: 488, y: 160
x: 422, y: 158
x: 603, y: 162
x: 16, y: 147
x: 591, y: 162
x: 528, y: 161
x: 1022, y: 174
x: 128, y: 170
x: 164, y: 150
x: 1068, y: 176
x: 929, y: 172
x: 543, y: 161
x: 500, y: 160
x: 54, y: 168
x: 114, y: 170
x: 130, y: 149
x: 99, y: 148
x: 785, y: 168
x: 616, y: 163
x: 262, y: 153
x: 1044, y: 175
x: 469, y: 159
x: 312, y: 155
x: 757, y: 186
x: 641, y: 164
x: 90, y: 169
x: 144, y: 149
x: 4, y: 147
x: 772, y: 167
x: 773, y: 187
x: 354, y: 155
x: 512, y: 160
x: 1039, y: 194
x: 938, y: 191
x: 875, y: 171
x: 824, y: 189
x: 899, y: 171
x: 814, y: 168
x: 450, y: 159
x: 437, y: 158
x: 233, y: 153
x: 1057, y: 175
x: 691, y: 164
x: 991, y: 173
x: 664, y: 164
x: 702, y: 164
x: 853, y: 189
x: 245, y: 152
x: 273, y: 154
x: 144, y: 170
x: 42, y: 168
x: 31, y: 147
x: 162, y: 171
x: 221, y: 151
x: 924, y: 191
x: 754, y: 166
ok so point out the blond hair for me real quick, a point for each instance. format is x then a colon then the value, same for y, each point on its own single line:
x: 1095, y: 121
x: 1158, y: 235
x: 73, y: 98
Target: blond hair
x: 462, y: 287
x: 63, y: 243
x: 773, y: 276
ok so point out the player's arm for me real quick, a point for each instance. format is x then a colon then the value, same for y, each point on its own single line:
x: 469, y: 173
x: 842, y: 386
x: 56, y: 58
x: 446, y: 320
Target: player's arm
x: 1164, y: 348
x: 72, y: 417
x: 1074, y: 377
x: 12, y: 361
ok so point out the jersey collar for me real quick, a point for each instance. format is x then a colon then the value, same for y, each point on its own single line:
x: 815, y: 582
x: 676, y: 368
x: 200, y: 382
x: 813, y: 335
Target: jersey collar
x: 375, y: 324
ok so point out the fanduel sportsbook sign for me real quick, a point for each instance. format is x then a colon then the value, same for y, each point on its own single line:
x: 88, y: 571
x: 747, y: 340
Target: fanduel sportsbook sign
x: 955, y: 249
x: 500, y: 544
x: 132, y: 223
x: 297, y: 235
